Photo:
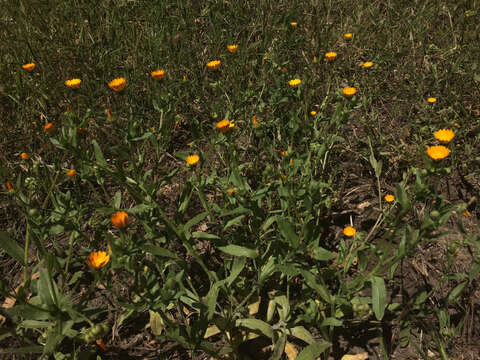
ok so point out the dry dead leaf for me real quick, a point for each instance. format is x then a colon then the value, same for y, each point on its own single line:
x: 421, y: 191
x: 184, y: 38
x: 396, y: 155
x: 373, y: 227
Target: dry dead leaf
x: 361, y: 356
x: 253, y: 308
x: 291, y: 351
x: 211, y: 331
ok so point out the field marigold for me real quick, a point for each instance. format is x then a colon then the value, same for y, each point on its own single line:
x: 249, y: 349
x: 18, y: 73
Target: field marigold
x: 294, y: 83
x: 347, y: 36
x: 349, y: 231
x: 367, y: 64
x: 225, y: 126
x: 348, y: 92
x: 438, y: 152
x: 232, y: 48
x: 98, y: 259
x: 28, y: 67
x: 231, y: 191
x: 49, y: 128
x: 73, y: 83
x: 192, y: 159
x: 444, y: 135
x: 24, y: 156
x: 330, y: 56
x: 9, y: 186
x: 117, y: 84
x: 72, y: 173
x: 214, y: 64
x: 313, y: 113
x: 254, y: 120
x: 432, y: 100
x: 293, y: 24
x: 119, y: 219
x: 389, y: 198
x: 158, y: 74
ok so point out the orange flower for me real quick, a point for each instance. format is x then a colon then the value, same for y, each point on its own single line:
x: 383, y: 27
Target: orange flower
x: 348, y: 36
x: 367, y: 64
x: 192, y: 159
x: 72, y: 173
x: 117, y: 84
x: 24, y: 156
x: 232, y: 48
x: 294, y: 83
x: 214, y: 64
x: 10, y: 186
x: 349, y: 231
x: 225, y: 126
x: 109, y: 114
x: 73, y: 83
x: 330, y: 56
x: 438, y: 152
x: 231, y: 191
x: 283, y: 69
x: 101, y: 344
x: 293, y: 24
x: 389, y: 198
x: 254, y: 120
x: 29, y: 66
x: 432, y: 100
x: 119, y: 219
x: 98, y: 259
x: 444, y: 135
x: 49, y: 128
x: 158, y: 74
x: 348, y: 92
x: 313, y: 113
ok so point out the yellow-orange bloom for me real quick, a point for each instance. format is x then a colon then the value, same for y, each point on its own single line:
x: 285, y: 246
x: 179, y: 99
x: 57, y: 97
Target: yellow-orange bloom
x: 444, y: 135
x: 347, y: 36
x: 10, y: 186
x: 24, y: 156
x: 72, y: 173
x: 283, y: 69
x: 49, y: 128
x: 119, y: 219
x: 432, y: 100
x: 389, y: 198
x: 330, y: 56
x: 214, y: 64
x: 438, y: 152
x: 313, y: 113
x: 192, y: 159
x: 367, y: 64
x: 348, y: 92
x: 29, y: 66
x: 232, y: 48
x: 254, y: 120
x: 231, y: 191
x: 73, y: 83
x: 158, y: 74
x: 349, y: 231
x: 294, y: 83
x: 117, y: 84
x: 98, y: 259
x: 225, y: 126
x: 293, y: 24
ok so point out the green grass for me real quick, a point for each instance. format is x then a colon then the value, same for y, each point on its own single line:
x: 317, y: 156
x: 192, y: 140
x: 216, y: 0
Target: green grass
x: 195, y: 257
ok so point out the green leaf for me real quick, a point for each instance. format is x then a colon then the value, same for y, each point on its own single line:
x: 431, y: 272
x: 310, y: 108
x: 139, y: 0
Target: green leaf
x: 402, y: 198
x: 195, y: 220
x: 321, y: 254
x: 98, y: 154
x: 204, y: 235
x: 236, y: 250
x: 211, y: 299
x: 279, y: 347
x: 288, y: 232
x: 24, y: 350
x: 311, y: 352
x: 117, y: 200
x: 331, y: 322
x: 159, y: 251
x: 45, y: 289
x: 11, y: 247
x: 321, y: 289
x: 156, y: 323
x: 303, y: 334
x: 237, y: 267
x: 256, y: 325
x: 456, y: 292
x: 138, y: 209
x: 234, y: 221
x: 379, y: 297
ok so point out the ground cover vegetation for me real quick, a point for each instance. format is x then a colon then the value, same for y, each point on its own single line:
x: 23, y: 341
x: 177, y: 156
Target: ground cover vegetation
x: 239, y: 179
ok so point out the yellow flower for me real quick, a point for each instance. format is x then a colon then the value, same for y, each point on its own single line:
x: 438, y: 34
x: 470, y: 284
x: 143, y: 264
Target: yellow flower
x: 444, y: 135
x: 225, y: 125
x: 231, y: 191
x: 348, y: 92
x: 24, y: 156
x: 438, y: 152
x: 367, y: 64
x: 313, y: 113
x: 314, y: 59
x: 98, y: 259
x: 349, y: 231
x: 109, y: 114
x: 192, y: 159
x: 348, y: 36
x: 73, y: 83
x: 117, y: 84
x: 283, y: 152
x: 330, y: 56
x: 389, y: 198
x: 293, y: 24
x: 294, y: 83
x: 232, y: 48
x: 119, y: 219
x: 214, y: 65
x: 158, y: 74
x: 72, y: 173
x: 28, y: 67
x: 432, y: 100
x: 254, y: 120
x: 49, y: 128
